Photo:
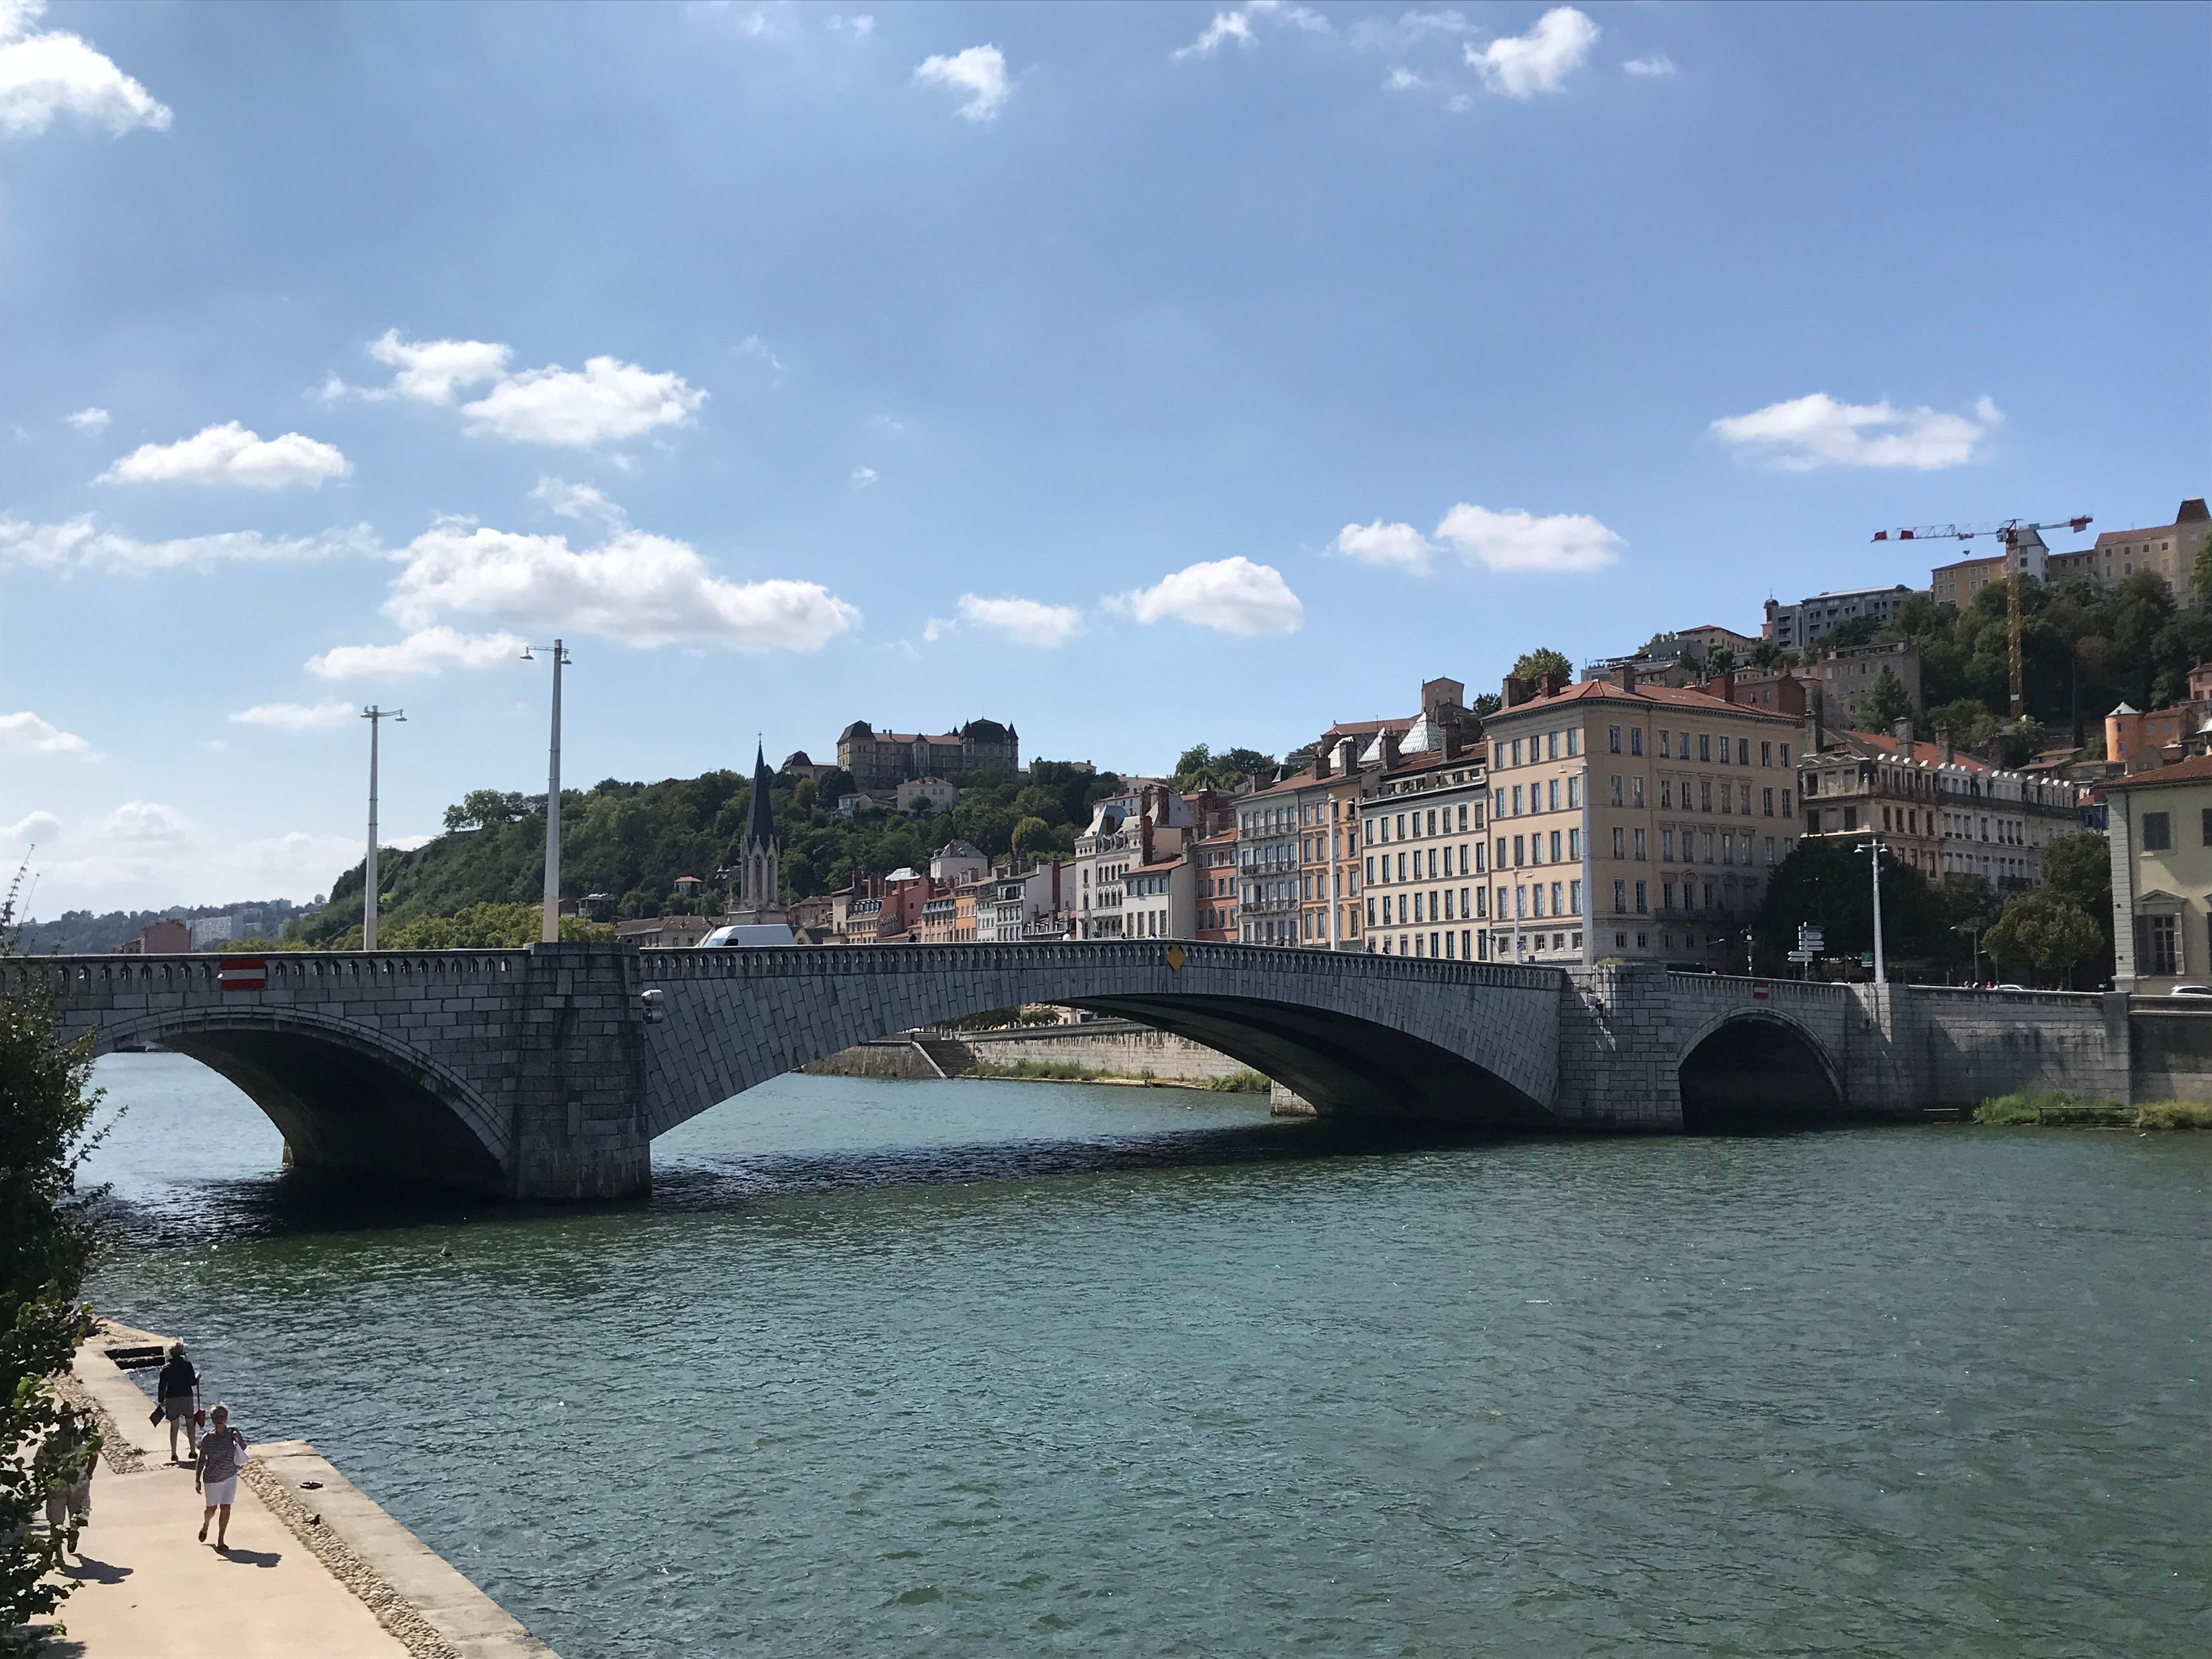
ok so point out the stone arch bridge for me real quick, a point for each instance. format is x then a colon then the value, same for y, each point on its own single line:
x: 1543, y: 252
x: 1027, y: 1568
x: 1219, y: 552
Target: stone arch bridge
x: 547, y: 1072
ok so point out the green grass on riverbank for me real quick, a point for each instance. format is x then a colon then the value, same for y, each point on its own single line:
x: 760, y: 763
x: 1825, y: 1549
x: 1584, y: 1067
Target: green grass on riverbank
x: 2055, y: 1109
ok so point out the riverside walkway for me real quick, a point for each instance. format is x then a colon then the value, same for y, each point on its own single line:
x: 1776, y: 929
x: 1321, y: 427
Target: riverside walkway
x: 365, y: 1588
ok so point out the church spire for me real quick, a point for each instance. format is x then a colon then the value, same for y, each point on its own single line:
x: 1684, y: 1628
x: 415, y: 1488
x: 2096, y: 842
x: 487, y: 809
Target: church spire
x: 760, y: 814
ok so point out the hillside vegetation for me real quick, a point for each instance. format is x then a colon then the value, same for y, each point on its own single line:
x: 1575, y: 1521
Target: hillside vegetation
x: 633, y: 840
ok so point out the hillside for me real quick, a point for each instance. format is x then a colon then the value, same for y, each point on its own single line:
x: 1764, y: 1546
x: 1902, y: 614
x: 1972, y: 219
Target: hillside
x: 634, y: 840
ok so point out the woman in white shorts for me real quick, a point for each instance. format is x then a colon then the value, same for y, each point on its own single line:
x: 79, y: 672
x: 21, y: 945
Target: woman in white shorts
x: 222, y: 1455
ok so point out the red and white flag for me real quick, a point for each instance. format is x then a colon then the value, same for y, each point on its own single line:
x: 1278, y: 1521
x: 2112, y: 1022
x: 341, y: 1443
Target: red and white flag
x: 242, y: 974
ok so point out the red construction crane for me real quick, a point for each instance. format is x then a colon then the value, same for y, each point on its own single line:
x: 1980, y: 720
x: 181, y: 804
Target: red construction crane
x: 2008, y: 532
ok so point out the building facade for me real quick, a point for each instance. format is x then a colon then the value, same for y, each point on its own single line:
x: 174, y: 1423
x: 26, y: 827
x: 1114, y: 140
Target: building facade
x: 1148, y: 825
x: 881, y: 761
x: 1943, y: 812
x: 1423, y: 859
x: 1795, y: 627
x: 1162, y: 899
x: 2167, y: 552
x: 1217, y: 887
x: 2159, y: 828
x: 1848, y: 674
x: 1671, y: 807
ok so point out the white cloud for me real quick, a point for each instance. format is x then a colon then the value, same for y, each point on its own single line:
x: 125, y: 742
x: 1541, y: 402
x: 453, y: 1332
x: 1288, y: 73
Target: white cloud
x: 863, y: 476
x: 88, y: 420
x: 1658, y: 65
x: 1236, y: 24
x: 426, y: 651
x: 979, y: 72
x: 1514, y: 541
x: 1234, y: 596
x: 229, y: 454
x: 1522, y: 65
x: 26, y: 734
x: 1026, y: 621
x: 296, y: 716
x: 80, y: 545
x: 1806, y: 434
x: 860, y: 28
x: 149, y: 853
x: 434, y: 371
x: 1398, y: 545
x: 608, y: 400
x: 640, y: 589
x: 575, y: 500
x: 54, y: 72
x: 1407, y: 29
x: 1403, y: 80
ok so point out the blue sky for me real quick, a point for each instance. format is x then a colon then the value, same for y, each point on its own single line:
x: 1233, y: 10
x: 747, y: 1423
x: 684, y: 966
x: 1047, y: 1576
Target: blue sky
x: 1140, y: 375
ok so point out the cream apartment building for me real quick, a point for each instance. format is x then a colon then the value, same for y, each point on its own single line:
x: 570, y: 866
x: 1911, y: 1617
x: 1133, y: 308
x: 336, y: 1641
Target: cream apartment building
x: 1633, y: 820
x: 2159, y: 825
x: 1423, y: 857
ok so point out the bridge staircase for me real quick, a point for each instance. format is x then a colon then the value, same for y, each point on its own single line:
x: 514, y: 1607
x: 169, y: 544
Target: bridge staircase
x: 947, y: 1056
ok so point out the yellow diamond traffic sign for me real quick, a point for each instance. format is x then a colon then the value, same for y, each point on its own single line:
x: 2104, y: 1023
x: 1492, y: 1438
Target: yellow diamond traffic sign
x: 1175, y: 959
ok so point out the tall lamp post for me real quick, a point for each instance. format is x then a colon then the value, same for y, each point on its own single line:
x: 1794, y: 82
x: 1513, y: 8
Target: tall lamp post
x: 1973, y: 932
x: 375, y: 717
x: 550, y: 932
x: 1874, y: 857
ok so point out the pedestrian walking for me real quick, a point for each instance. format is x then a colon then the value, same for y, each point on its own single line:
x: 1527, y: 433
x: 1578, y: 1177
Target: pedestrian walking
x: 173, y: 1395
x: 222, y: 1455
x: 69, y: 1503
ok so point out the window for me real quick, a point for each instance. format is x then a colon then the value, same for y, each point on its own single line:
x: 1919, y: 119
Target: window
x: 1619, y: 842
x: 1537, y: 898
x: 1641, y: 908
x: 1371, y: 912
x: 1574, y: 740
x: 1612, y: 739
x: 1785, y: 798
x: 1666, y: 748
x: 1635, y: 740
x: 1705, y: 793
x: 1574, y: 845
x: 1402, y: 866
x: 1667, y: 897
x: 1553, y: 795
x: 1667, y: 845
x: 1641, y: 848
x: 1550, y: 745
x: 1401, y: 825
x: 1636, y: 791
x: 1704, y: 746
x: 1462, y: 820
x: 2157, y: 832
x: 1785, y: 761
x: 1766, y: 754
x: 1516, y: 760
x: 1620, y: 897
x: 1574, y: 898
x: 1770, y: 849
x: 1851, y: 817
x: 1517, y: 851
x: 1555, y: 846
x: 2158, y: 941
x: 1743, y: 751
x: 1616, y: 788
x: 1432, y: 822
x: 1574, y: 794
x: 1766, y: 800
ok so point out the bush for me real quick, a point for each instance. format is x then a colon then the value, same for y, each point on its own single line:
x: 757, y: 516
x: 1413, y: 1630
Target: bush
x: 2174, y: 1115
x: 1242, y: 1081
x: 2055, y: 1109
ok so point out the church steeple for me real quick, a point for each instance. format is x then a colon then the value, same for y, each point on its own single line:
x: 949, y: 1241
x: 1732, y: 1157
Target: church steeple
x: 757, y: 893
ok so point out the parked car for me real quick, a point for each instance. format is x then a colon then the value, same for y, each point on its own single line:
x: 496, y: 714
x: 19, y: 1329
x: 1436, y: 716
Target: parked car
x: 2007, y: 985
x: 741, y: 935
x: 2190, y: 991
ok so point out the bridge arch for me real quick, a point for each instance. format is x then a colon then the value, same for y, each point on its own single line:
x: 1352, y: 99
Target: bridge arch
x: 1750, y: 1067
x: 345, y: 1096
x: 1369, y: 1036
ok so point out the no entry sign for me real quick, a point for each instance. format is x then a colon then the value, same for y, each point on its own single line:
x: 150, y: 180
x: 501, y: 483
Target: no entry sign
x: 242, y: 974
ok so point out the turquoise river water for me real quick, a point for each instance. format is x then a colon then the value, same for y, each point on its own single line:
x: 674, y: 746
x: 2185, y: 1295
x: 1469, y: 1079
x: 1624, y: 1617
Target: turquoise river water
x: 982, y: 1369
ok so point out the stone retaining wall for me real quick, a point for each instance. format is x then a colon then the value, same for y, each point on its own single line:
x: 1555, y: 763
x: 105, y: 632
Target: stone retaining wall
x: 1118, y: 1048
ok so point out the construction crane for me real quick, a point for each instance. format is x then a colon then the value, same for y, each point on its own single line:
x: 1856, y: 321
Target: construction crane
x: 2008, y: 531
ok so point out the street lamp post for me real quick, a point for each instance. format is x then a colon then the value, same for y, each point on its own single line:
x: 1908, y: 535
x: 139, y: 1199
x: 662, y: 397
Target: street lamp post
x: 1973, y: 932
x: 375, y: 717
x: 550, y: 932
x: 1874, y: 857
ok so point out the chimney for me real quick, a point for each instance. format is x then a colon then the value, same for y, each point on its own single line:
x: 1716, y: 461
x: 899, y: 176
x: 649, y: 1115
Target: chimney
x: 1722, y: 685
x: 1451, y: 740
x: 1624, y: 676
x: 1320, y: 762
x: 1902, y: 731
x: 1348, y: 755
x: 1516, y: 692
x: 1943, y: 737
x: 1389, y: 742
x: 1551, y: 685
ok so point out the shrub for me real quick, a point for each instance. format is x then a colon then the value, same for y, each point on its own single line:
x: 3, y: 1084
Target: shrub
x: 1242, y: 1081
x: 2174, y: 1115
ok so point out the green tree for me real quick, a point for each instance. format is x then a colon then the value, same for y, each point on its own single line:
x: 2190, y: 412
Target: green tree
x: 2200, y: 573
x: 1032, y: 835
x: 2041, y: 931
x: 1967, y: 719
x: 47, y: 1242
x: 1882, y: 704
x: 1825, y: 882
x: 1534, y: 664
x: 2077, y: 868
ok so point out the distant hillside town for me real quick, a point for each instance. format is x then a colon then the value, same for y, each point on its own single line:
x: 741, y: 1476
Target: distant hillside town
x: 1690, y: 802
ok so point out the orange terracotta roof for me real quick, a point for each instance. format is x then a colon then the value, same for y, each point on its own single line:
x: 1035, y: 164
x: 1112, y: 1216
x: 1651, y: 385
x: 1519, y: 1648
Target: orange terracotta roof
x: 1157, y: 863
x: 1672, y: 696
x: 2197, y: 770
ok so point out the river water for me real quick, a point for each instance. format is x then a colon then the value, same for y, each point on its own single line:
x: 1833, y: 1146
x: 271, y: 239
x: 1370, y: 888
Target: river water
x: 974, y: 1368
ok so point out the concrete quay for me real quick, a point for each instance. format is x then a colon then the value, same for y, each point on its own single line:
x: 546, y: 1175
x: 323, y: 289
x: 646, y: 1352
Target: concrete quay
x: 312, y: 1570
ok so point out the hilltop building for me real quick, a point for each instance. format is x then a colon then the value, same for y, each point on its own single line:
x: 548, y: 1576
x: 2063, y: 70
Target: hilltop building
x: 881, y: 761
x: 1795, y: 627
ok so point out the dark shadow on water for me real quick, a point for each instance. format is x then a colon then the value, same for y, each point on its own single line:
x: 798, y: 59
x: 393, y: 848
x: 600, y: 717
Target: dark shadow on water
x: 306, y: 1202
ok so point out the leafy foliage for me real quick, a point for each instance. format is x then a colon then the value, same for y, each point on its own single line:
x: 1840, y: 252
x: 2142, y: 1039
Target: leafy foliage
x: 1533, y: 665
x: 47, y: 1241
x: 1199, y: 768
x: 1882, y: 704
x: 2040, y: 931
x: 1826, y: 884
x: 632, y: 840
